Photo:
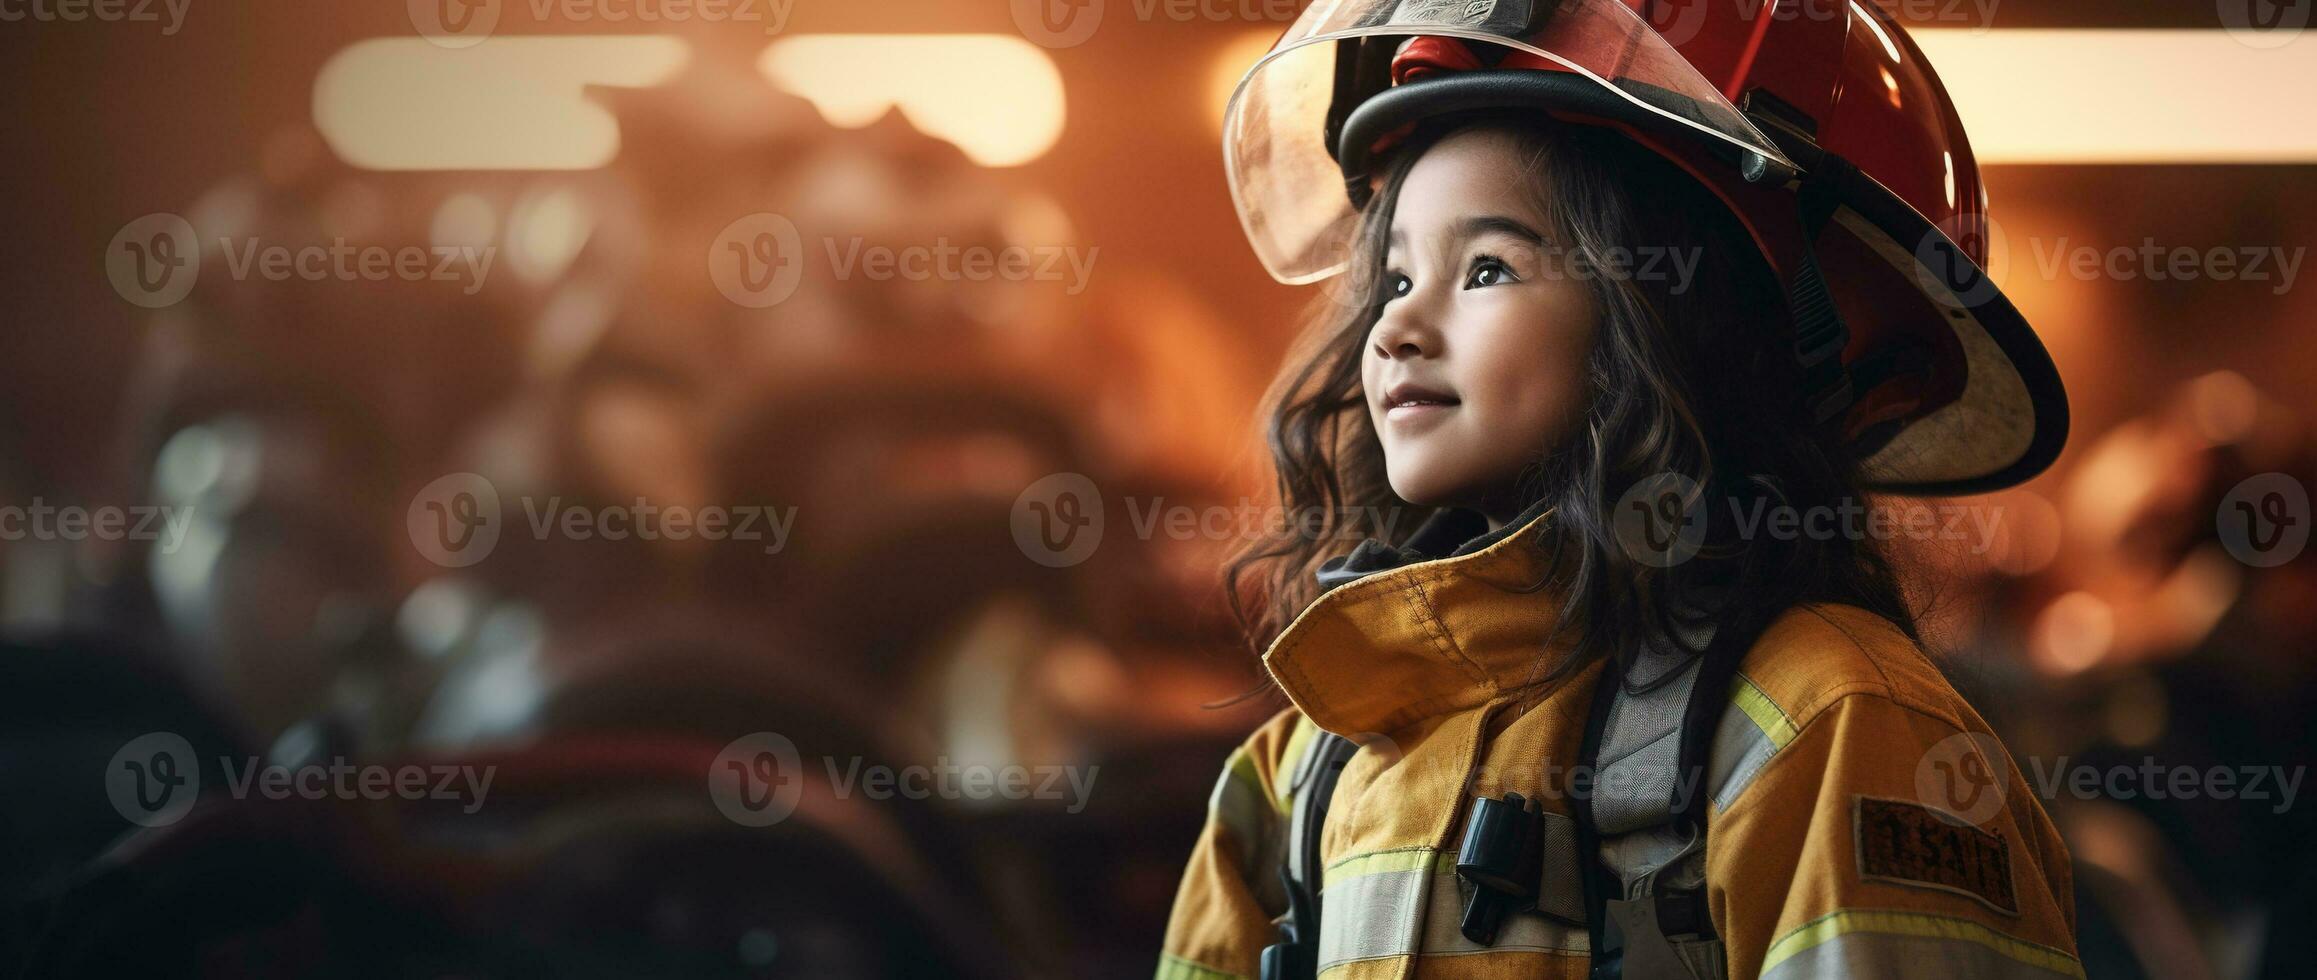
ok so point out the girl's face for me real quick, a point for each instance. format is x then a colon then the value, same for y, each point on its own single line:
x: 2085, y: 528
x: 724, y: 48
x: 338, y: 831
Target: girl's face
x: 1475, y: 369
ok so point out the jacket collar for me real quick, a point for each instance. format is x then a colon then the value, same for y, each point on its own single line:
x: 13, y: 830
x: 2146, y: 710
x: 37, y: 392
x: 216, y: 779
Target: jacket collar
x: 1450, y: 621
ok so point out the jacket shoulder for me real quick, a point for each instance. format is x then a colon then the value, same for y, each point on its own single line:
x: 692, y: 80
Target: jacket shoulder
x: 1267, y: 757
x: 1816, y: 654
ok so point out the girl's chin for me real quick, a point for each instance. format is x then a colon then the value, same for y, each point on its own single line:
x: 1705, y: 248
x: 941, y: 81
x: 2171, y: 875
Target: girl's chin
x: 1425, y: 491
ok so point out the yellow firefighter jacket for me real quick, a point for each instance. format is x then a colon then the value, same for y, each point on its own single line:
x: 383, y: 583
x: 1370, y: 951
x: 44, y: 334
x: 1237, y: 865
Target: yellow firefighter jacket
x: 1861, y: 821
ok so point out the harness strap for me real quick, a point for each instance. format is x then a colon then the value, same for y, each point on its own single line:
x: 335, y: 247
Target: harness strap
x: 1660, y: 712
x: 1644, y: 855
x: 1296, y: 955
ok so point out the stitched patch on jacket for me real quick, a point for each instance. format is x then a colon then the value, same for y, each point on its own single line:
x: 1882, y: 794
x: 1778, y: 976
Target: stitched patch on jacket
x: 1912, y: 844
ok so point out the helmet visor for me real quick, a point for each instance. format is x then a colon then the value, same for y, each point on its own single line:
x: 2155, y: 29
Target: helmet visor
x: 1284, y: 178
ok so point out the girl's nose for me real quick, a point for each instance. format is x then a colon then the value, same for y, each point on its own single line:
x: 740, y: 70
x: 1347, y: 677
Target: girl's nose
x: 1404, y: 332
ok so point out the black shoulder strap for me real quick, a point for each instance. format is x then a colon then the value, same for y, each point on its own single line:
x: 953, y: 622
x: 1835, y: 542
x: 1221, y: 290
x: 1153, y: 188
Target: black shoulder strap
x: 1296, y: 955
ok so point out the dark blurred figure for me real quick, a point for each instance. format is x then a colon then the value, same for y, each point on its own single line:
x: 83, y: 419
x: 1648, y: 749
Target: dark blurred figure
x: 2157, y: 628
x: 618, y: 691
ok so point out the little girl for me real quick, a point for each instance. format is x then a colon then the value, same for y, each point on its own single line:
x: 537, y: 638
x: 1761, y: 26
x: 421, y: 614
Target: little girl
x: 1632, y: 318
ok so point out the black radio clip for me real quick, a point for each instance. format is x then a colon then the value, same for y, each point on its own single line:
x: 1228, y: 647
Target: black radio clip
x: 1501, y: 861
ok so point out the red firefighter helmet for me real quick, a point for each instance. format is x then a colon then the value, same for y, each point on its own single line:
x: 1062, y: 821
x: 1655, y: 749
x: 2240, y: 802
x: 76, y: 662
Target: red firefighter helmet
x: 1818, y: 122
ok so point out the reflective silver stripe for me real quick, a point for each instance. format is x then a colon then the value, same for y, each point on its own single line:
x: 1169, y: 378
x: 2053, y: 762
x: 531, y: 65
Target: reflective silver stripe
x: 1909, y: 945
x: 1752, y: 730
x: 1371, y: 915
x: 1404, y: 902
x: 1522, y: 932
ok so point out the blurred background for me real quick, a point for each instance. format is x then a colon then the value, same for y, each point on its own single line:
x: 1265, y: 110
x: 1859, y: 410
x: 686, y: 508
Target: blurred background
x: 297, y: 291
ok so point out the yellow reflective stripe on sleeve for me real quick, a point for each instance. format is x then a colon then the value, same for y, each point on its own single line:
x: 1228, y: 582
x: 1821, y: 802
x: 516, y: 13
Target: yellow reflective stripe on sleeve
x: 1379, y: 862
x: 1172, y: 967
x: 1290, y: 759
x: 1766, y: 714
x: 1253, y: 835
x: 1745, y: 740
x: 1873, y: 942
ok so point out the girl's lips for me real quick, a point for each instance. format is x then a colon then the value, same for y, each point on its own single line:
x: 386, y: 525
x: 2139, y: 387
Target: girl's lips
x: 1413, y: 412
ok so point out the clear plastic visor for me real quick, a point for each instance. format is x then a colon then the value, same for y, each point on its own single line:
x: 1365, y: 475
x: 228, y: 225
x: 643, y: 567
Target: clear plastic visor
x: 1287, y: 185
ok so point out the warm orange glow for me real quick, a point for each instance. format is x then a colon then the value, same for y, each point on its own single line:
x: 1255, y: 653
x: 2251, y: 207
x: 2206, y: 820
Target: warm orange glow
x: 1231, y: 62
x: 998, y: 98
x: 2224, y: 405
x: 2073, y: 633
x: 2127, y: 96
x: 510, y: 103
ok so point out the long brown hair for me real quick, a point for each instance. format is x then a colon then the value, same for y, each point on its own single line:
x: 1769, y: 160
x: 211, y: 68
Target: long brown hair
x: 1691, y: 377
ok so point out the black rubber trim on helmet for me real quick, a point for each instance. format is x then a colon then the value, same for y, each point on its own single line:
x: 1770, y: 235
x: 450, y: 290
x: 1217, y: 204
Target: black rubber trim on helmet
x: 1995, y: 314
x: 1572, y: 94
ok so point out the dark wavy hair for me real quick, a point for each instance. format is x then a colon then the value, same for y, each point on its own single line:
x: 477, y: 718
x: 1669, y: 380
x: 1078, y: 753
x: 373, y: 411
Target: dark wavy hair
x: 1694, y: 378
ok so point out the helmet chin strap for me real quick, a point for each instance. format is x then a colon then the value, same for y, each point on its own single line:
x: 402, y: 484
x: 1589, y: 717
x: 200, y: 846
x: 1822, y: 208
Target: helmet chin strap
x: 1819, y: 333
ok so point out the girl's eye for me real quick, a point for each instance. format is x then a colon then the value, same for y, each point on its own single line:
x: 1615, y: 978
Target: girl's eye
x: 1487, y: 270
x: 1397, y: 285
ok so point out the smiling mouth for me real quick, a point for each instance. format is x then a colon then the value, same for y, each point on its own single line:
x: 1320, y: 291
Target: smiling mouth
x: 1407, y: 408
x: 1413, y: 410
x: 1411, y: 401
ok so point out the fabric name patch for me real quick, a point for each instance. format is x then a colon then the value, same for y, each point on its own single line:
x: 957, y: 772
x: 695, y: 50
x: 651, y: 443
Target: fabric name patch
x: 1912, y: 844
